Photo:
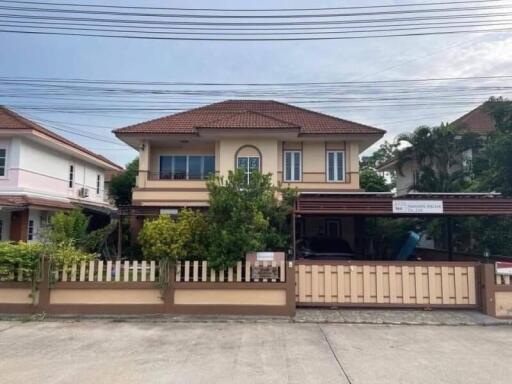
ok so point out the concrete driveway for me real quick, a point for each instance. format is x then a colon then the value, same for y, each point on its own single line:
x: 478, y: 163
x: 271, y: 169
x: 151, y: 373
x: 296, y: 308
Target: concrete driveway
x: 267, y: 352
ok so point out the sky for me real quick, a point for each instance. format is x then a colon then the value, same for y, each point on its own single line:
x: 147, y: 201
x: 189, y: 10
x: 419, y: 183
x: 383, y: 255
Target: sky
x: 457, y: 55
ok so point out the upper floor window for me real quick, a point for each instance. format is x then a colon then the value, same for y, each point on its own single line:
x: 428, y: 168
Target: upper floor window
x: 335, y: 166
x: 98, y: 184
x: 3, y: 158
x: 249, y: 164
x: 292, y: 165
x: 30, y: 232
x: 71, y: 178
x: 186, y: 167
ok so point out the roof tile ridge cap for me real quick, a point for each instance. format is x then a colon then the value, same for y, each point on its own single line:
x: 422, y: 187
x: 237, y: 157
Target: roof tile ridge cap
x: 275, y: 118
x: 214, y: 120
x: 121, y: 130
x: 33, y: 125
x: 330, y: 116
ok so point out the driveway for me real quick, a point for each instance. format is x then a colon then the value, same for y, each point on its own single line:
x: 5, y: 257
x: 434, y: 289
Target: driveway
x: 104, y: 351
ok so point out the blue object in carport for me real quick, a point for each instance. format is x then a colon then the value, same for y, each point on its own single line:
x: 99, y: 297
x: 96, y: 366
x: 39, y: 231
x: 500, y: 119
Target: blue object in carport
x: 409, y: 246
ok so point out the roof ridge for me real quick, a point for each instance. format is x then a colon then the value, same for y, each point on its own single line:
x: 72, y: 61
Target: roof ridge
x: 328, y: 116
x: 48, y: 132
x: 235, y: 114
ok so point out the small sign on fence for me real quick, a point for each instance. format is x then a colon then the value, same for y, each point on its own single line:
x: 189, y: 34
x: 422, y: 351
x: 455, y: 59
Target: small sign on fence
x: 268, y: 272
x: 504, y: 268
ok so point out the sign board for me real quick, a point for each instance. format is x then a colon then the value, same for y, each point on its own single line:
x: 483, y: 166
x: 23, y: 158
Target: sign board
x: 264, y: 272
x: 169, y: 211
x: 504, y: 268
x: 417, y: 206
x: 265, y: 256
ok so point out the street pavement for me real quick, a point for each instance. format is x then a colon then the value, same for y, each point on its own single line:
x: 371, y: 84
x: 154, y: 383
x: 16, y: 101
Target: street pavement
x: 273, y: 351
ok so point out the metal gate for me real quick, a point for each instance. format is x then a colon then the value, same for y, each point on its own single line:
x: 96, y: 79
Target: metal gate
x: 386, y: 284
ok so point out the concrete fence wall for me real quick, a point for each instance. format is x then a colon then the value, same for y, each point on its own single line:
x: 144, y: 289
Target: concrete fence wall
x: 143, y: 288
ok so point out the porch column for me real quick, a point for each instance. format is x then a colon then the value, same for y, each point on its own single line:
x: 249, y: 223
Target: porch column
x: 449, y: 233
x: 144, y: 164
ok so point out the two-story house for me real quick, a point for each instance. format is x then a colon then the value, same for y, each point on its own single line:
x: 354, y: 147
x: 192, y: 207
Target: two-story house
x: 42, y: 172
x: 307, y: 150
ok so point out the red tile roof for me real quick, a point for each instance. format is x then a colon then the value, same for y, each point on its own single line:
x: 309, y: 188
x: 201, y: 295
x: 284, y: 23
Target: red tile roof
x: 250, y: 114
x: 477, y: 121
x: 11, y: 120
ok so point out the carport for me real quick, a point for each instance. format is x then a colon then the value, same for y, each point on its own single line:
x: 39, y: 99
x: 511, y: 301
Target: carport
x: 361, y: 205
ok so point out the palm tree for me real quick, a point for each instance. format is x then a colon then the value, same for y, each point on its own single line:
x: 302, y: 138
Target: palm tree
x: 437, y: 155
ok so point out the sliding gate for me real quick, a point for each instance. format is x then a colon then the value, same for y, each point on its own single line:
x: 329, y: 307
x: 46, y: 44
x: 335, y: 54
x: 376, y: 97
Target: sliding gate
x: 386, y: 284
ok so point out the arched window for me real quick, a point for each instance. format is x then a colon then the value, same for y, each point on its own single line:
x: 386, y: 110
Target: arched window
x: 248, y: 158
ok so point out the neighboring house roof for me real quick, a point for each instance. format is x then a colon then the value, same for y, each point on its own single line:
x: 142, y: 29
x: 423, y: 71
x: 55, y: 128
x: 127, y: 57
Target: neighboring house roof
x: 249, y: 114
x: 11, y: 120
x: 28, y: 201
x: 477, y: 121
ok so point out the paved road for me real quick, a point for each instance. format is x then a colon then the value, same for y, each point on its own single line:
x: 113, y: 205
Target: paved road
x: 278, y: 352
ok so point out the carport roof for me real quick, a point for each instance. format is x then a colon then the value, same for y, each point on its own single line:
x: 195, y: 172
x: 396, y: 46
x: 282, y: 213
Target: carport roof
x: 381, y: 204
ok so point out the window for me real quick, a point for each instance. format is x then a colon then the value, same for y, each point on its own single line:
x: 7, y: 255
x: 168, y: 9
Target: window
x: 30, y: 235
x: 3, y: 157
x: 186, y: 167
x: 249, y: 164
x: 71, y: 176
x: 335, y: 166
x: 98, y: 184
x: 292, y: 166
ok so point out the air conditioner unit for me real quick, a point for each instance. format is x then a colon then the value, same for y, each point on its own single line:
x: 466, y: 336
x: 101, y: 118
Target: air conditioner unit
x: 83, y: 192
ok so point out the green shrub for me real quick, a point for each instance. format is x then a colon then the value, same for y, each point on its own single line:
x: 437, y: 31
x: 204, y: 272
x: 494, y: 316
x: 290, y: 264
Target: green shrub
x: 19, y: 256
x: 183, y: 238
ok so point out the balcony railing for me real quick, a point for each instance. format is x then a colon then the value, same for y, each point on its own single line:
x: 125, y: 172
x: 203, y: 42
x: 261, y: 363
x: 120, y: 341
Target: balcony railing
x: 175, y: 176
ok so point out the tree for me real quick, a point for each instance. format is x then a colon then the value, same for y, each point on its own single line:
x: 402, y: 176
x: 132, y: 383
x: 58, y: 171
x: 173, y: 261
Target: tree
x: 246, y: 217
x: 493, y: 168
x: 438, y: 155
x: 386, y: 152
x: 371, y: 181
x: 121, y: 185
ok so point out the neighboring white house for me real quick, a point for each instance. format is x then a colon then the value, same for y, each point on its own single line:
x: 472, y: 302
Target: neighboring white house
x: 42, y: 172
x: 477, y: 121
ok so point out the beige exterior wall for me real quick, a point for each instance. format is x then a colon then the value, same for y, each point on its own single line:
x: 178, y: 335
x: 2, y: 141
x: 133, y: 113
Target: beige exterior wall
x: 503, y: 304
x: 268, y: 297
x: 105, y: 296
x: 15, y: 296
x: 193, y: 192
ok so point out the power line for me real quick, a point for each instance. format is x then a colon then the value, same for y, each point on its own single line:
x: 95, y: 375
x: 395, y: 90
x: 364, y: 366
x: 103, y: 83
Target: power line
x: 250, y: 10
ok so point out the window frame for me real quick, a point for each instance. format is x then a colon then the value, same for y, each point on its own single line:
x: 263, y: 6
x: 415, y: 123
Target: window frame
x: 71, y: 176
x: 30, y: 230
x: 336, y: 153
x: 292, y: 167
x: 247, y: 171
x: 98, y: 183
x: 4, y: 175
x: 187, y: 164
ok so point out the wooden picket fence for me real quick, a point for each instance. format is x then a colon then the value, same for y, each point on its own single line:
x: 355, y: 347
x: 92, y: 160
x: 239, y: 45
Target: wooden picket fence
x: 109, y: 271
x: 17, y: 274
x: 199, y: 271
x: 503, y: 279
x: 386, y: 283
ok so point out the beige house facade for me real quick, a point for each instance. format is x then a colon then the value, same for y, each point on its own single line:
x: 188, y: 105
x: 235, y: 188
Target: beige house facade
x: 302, y: 149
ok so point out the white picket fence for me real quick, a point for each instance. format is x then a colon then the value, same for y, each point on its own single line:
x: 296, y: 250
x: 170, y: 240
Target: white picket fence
x: 199, y: 271
x: 109, y: 271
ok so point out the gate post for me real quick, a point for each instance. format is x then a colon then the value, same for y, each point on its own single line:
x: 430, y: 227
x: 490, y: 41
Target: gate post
x: 487, y: 288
